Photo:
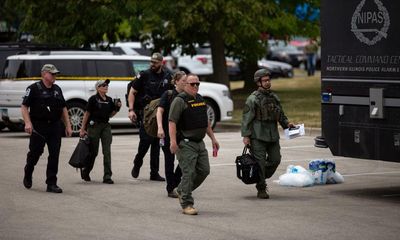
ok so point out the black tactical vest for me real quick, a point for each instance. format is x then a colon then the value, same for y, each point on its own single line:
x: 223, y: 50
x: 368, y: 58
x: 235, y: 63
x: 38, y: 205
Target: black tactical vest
x: 154, y: 85
x: 49, y: 104
x: 195, y: 115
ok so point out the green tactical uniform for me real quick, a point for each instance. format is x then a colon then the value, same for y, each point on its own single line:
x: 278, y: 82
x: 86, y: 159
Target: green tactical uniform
x: 261, y: 113
x: 190, y: 116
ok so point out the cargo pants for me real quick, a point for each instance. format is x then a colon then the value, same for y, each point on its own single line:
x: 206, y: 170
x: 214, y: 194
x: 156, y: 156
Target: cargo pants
x: 97, y: 132
x: 195, y: 167
x: 268, y: 165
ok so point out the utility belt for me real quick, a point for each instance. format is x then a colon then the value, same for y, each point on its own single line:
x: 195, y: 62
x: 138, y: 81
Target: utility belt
x: 192, y: 140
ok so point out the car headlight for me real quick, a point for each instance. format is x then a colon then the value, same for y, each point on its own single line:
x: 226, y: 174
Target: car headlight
x: 226, y: 93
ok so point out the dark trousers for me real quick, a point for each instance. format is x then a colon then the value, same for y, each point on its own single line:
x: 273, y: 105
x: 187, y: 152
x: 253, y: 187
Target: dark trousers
x: 173, y: 177
x: 268, y: 165
x: 97, y: 132
x: 144, y: 144
x: 50, y: 134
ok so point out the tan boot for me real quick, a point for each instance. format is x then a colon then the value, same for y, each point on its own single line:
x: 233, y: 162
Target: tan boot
x: 190, y: 210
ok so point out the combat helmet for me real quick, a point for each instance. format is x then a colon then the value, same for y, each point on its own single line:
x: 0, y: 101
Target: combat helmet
x: 261, y: 73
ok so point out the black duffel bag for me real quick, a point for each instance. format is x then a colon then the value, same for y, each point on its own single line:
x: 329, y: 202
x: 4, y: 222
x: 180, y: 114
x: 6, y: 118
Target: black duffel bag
x: 81, y: 154
x: 247, y: 168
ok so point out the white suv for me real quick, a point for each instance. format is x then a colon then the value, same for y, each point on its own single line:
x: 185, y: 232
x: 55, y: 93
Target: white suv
x: 79, y: 72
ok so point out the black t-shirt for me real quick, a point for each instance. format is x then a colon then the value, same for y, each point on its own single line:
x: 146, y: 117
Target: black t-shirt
x: 165, y: 103
x: 45, y: 104
x: 151, y: 85
x: 99, y: 109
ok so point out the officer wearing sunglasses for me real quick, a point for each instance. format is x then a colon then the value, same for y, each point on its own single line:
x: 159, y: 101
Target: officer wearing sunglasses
x: 188, y: 125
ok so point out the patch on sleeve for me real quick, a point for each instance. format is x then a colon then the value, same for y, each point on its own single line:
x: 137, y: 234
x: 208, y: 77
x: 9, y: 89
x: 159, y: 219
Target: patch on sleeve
x: 246, y: 109
x: 28, y: 91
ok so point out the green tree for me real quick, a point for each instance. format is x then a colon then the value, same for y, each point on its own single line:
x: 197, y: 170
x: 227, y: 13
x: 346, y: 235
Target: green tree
x: 74, y: 22
x: 234, y: 28
x: 237, y: 28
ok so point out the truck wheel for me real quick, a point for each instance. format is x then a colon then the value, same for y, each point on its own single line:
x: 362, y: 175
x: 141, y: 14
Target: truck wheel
x: 212, y: 112
x: 75, y: 112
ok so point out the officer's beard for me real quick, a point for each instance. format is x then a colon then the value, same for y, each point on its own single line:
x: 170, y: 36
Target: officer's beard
x: 156, y: 69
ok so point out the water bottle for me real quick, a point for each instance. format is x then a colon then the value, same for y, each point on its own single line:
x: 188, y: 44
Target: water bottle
x: 215, y: 151
x: 162, y: 142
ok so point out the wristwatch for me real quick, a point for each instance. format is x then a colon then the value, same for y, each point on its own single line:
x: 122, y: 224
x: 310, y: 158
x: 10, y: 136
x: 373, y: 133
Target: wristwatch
x: 130, y: 110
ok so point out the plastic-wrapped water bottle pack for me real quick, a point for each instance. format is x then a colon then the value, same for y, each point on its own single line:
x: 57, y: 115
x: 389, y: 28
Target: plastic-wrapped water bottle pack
x: 320, y: 172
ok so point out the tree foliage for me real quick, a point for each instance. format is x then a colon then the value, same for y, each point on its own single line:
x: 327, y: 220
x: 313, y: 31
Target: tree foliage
x: 73, y: 22
x: 236, y: 28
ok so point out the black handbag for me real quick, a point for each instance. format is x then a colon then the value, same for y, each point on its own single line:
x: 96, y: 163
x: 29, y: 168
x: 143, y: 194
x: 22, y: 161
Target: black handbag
x: 247, y: 168
x: 81, y: 154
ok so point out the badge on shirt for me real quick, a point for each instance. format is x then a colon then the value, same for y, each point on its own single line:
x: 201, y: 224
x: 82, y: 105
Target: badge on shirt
x: 28, y: 91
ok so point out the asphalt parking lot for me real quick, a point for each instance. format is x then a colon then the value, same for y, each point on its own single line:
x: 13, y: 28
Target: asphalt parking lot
x: 365, y: 206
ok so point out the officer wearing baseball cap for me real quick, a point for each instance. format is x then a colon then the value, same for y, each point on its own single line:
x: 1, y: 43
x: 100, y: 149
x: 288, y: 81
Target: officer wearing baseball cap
x: 43, y: 107
x: 157, y: 57
x: 99, y: 109
x: 101, y: 82
x: 261, y: 113
x: 149, y: 85
x: 50, y: 68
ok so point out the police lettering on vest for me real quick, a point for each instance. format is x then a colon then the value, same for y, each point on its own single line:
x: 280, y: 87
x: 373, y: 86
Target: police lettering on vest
x: 195, y: 115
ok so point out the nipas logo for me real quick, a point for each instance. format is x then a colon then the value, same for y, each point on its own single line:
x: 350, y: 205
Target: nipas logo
x: 370, y: 26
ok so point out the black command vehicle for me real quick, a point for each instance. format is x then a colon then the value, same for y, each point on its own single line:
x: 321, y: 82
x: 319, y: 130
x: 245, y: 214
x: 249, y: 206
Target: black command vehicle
x: 360, y: 86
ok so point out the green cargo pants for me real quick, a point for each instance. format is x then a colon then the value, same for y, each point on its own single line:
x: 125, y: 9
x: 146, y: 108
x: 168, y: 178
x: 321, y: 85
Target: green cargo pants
x: 268, y: 165
x: 96, y: 132
x: 193, y: 161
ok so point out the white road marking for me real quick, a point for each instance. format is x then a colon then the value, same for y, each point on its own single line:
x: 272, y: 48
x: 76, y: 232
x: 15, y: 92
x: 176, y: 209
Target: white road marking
x: 370, y: 173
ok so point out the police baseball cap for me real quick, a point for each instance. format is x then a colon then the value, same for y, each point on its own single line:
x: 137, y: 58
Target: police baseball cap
x: 50, y: 68
x: 102, y: 81
x: 156, y: 57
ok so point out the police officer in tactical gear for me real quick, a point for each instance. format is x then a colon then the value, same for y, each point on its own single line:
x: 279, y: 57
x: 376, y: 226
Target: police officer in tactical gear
x: 259, y: 129
x: 95, y: 124
x: 149, y: 85
x: 188, y: 125
x: 42, y: 108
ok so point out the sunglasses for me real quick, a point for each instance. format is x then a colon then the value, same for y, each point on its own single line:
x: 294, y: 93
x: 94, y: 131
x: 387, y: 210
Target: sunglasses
x: 194, y: 84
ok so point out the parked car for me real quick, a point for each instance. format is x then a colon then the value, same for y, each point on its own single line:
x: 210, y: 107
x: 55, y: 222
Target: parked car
x: 199, y: 64
x: 8, y: 49
x: 277, y: 69
x: 79, y: 72
x: 300, y: 44
x: 137, y: 48
x: 279, y: 50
